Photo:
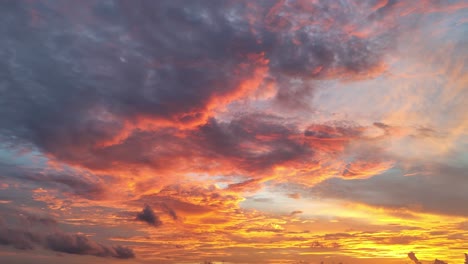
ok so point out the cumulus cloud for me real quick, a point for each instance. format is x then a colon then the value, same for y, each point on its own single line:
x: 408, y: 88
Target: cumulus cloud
x: 147, y: 215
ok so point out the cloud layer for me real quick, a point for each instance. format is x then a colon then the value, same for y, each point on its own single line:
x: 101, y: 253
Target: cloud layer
x: 234, y: 130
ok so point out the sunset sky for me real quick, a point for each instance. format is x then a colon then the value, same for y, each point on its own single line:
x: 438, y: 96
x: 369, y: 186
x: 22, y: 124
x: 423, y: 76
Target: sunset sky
x: 233, y: 131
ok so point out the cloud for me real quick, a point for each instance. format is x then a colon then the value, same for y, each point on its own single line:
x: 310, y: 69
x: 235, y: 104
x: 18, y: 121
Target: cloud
x: 424, y: 191
x: 26, y: 218
x: 77, y: 182
x: 294, y: 195
x: 60, y: 242
x: 294, y: 213
x: 253, y: 145
x: 81, y: 245
x: 402, y: 240
x: 26, y: 231
x: 171, y: 67
x: 17, y: 238
x: 302, y: 48
x: 175, y: 78
x: 413, y: 257
x: 148, y: 216
x: 171, y: 212
x: 47, y: 221
x: 259, y: 147
x: 336, y: 236
x: 187, y: 106
x: 324, y: 245
x: 190, y: 200
x: 145, y: 90
x: 363, y: 169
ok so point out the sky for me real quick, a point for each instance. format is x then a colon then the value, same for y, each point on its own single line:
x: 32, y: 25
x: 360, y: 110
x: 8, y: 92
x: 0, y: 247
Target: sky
x: 233, y: 131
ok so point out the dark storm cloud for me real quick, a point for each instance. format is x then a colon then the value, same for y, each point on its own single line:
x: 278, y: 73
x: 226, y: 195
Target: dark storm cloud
x: 147, y: 215
x: 441, y: 190
x: 74, y: 75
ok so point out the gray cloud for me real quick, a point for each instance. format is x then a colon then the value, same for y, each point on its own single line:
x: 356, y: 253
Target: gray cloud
x: 68, y: 180
x: 58, y: 241
x: 17, y: 238
x: 147, y: 215
x: 214, y: 140
x: 440, y: 190
x: 26, y: 231
x: 68, y: 84
x: 81, y: 245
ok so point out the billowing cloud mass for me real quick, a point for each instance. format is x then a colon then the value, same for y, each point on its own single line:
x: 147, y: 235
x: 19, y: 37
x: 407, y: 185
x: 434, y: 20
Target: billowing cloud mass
x: 243, y: 131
